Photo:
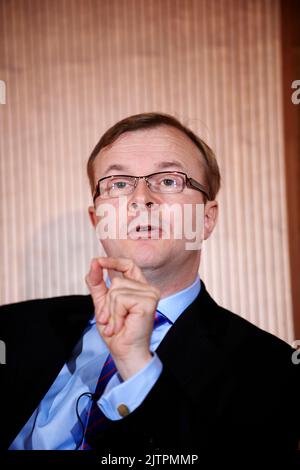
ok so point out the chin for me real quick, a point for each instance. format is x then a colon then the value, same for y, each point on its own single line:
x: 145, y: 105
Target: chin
x: 144, y: 253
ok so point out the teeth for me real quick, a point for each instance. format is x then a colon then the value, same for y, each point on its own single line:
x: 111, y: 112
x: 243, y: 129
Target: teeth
x: 144, y: 229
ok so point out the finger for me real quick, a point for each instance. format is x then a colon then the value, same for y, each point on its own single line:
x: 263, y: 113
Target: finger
x: 122, y: 302
x: 123, y: 265
x: 130, y: 284
x: 95, y: 275
x: 96, y: 284
x: 108, y: 316
x: 109, y: 328
x: 101, y: 330
x: 116, y: 308
x: 105, y: 311
x: 103, y: 317
x: 119, y: 310
x: 105, y: 329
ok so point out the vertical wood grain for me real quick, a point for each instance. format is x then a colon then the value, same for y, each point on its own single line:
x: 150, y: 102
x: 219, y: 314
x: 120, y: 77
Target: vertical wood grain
x: 74, y: 67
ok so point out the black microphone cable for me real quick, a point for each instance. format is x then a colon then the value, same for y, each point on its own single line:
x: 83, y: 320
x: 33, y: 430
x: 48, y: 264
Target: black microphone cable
x: 94, y: 397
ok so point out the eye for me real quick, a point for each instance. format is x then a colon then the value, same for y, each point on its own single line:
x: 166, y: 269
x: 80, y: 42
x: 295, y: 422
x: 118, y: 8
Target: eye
x: 119, y: 185
x: 169, y: 182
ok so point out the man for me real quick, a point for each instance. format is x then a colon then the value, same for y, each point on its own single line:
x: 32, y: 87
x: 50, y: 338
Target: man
x: 186, y: 376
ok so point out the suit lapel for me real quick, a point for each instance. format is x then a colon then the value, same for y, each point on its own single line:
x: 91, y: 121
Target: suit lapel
x: 192, y: 350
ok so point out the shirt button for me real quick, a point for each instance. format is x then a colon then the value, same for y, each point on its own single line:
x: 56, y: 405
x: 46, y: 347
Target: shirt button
x: 123, y: 410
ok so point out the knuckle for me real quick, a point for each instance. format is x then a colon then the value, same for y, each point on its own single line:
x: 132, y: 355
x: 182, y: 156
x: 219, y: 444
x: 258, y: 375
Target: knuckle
x: 113, y: 293
x: 116, y: 281
x: 118, y: 298
x: 131, y: 265
x: 87, y: 280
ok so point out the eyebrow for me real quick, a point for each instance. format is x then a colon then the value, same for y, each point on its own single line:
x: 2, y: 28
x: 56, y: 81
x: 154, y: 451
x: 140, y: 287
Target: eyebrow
x: 160, y: 166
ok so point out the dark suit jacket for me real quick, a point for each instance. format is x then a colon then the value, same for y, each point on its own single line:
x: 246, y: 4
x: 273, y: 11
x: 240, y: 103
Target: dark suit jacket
x: 226, y: 385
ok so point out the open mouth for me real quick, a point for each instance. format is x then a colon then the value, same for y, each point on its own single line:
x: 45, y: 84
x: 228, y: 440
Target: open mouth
x: 144, y: 228
x: 145, y: 231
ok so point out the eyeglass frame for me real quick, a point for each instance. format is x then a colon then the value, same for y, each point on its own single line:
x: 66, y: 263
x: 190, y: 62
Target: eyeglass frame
x: 189, y: 183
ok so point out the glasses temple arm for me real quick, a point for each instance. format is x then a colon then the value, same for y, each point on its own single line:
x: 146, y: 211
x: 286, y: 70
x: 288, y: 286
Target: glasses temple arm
x: 194, y: 184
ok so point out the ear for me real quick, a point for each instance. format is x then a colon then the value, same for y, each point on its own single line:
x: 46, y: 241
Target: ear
x: 210, y: 217
x: 92, y: 215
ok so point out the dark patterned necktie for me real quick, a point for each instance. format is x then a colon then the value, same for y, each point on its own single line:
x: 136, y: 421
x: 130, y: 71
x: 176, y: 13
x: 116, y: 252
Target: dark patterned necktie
x: 96, y: 419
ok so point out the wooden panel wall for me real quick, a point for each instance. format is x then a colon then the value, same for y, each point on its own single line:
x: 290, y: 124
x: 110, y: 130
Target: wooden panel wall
x: 74, y: 67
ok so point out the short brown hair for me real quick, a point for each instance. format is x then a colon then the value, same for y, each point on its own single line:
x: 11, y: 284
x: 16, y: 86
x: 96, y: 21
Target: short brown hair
x: 152, y: 120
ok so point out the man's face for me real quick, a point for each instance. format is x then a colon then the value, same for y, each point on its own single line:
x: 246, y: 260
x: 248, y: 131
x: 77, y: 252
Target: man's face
x: 145, y: 152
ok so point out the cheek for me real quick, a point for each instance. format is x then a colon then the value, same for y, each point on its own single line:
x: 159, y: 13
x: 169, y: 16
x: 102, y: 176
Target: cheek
x: 188, y: 216
x: 106, y: 222
x: 107, y: 210
x: 114, y: 248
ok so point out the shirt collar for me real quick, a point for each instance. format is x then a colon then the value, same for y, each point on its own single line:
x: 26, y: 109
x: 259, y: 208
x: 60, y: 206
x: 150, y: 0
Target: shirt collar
x: 174, y: 305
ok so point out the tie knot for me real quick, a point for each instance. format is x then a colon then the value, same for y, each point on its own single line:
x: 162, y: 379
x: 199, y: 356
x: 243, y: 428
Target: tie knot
x: 160, y: 319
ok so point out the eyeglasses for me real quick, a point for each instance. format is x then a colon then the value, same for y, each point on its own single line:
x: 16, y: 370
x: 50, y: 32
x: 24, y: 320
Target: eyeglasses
x: 163, y: 182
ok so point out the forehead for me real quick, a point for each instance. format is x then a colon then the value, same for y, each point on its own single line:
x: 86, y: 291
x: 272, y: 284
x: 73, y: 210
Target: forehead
x: 148, y: 150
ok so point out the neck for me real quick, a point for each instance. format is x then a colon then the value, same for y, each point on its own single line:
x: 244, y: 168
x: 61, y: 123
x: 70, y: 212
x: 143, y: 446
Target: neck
x: 172, y: 281
x: 172, y: 278
x: 176, y: 285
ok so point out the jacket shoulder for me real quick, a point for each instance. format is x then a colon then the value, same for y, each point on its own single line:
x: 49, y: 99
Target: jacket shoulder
x: 233, y: 330
x: 252, y: 345
x: 251, y: 330
x: 50, y: 302
x: 29, y: 311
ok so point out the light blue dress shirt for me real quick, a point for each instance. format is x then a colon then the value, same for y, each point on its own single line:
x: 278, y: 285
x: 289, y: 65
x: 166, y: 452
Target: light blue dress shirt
x: 54, y: 424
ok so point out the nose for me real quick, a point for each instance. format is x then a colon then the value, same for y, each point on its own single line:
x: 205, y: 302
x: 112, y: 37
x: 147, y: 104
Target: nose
x: 141, y: 196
